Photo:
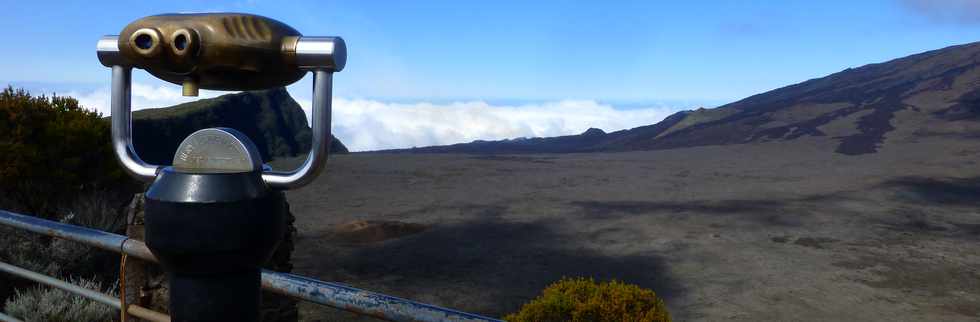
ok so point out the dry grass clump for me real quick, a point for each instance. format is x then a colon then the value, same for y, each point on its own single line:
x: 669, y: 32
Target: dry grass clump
x: 45, y: 304
x: 581, y: 299
x: 57, y: 256
x: 61, y: 258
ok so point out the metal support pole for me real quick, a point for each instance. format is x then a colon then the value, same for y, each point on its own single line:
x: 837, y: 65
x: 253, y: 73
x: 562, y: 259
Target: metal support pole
x: 320, y: 119
x: 122, y: 132
x: 212, y: 233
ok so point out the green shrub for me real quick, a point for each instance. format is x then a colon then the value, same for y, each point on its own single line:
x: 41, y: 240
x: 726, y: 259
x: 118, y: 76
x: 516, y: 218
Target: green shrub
x: 54, y: 305
x: 57, y: 163
x: 581, y: 299
x: 52, y: 149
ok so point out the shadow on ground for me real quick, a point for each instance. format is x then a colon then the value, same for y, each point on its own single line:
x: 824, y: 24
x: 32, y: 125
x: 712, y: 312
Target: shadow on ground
x: 492, y: 267
x: 924, y: 198
x: 947, y: 191
x: 766, y: 212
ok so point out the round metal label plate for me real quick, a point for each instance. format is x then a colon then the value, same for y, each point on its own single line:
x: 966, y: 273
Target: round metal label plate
x: 217, y: 150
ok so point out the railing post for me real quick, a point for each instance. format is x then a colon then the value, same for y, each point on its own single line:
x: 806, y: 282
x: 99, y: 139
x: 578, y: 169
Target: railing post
x: 134, y: 277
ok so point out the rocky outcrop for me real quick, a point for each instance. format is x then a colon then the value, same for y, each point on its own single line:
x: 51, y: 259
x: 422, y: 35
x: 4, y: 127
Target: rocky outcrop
x: 271, y: 118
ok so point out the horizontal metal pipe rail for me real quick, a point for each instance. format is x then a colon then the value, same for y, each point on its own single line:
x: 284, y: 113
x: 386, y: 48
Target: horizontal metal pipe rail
x: 330, y: 294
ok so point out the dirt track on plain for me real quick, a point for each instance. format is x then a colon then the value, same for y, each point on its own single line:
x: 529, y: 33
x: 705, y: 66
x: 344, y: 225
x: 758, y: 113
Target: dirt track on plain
x: 756, y: 232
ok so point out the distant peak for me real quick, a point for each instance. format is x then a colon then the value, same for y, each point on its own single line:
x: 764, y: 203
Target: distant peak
x: 593, y: 131
x: 271, y: 92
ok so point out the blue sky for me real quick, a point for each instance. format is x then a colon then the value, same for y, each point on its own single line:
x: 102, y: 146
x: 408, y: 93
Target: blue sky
x: 522, y: 54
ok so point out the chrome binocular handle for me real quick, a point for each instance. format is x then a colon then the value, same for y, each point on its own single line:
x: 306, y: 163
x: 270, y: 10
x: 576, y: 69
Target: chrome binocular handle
x: 320, y: 55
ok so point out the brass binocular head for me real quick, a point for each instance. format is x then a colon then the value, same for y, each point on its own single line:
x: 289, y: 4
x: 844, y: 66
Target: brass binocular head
x: 224, y: 51
x: 220, y: 51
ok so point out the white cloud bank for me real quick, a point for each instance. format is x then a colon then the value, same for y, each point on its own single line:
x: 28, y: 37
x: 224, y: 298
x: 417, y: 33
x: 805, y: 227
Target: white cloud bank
x: 365, y: 125
x: 371, y: 125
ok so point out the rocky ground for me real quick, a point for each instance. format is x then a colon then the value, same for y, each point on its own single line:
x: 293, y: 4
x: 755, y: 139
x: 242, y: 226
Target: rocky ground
x: 756, y: 232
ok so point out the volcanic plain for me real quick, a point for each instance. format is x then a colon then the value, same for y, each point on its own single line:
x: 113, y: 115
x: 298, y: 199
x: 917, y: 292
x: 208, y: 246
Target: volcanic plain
x: 770, y: 231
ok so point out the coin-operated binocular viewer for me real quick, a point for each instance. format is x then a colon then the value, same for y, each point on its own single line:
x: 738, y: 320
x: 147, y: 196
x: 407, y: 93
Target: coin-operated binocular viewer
x: 216, y: 215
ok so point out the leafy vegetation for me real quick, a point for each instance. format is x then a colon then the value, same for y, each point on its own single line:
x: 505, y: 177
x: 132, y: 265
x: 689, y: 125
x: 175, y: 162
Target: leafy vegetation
x: 51, y: 150
x: 57, y: 163
x: 581, y: 299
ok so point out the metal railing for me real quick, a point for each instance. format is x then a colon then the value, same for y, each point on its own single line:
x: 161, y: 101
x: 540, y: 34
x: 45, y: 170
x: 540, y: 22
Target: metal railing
x: 335, y: 295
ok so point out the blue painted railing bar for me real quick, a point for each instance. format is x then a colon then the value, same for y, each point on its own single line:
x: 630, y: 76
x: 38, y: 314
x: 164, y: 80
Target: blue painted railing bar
x: 91, y: 237
x: 330, y: 294
x: 356, y: 300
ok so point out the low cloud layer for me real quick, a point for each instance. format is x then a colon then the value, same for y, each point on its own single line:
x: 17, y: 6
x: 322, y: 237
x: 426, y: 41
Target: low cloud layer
x: 144, y: 96
x: 365, y: 125
x: 372, y: 125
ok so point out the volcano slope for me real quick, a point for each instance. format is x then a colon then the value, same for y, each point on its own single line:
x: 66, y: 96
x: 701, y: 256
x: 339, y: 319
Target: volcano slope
x: 792, y: 205
x: 928, y: 94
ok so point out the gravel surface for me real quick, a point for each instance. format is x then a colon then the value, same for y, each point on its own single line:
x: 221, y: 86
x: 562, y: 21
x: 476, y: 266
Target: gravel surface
x: 756, y: 232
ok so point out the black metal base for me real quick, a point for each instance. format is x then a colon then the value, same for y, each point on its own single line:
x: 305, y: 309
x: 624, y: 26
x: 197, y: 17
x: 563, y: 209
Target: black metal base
x: 224, y: 297
x: 211, y: 233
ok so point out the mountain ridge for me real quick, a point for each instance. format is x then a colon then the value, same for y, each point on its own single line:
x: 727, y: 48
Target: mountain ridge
x: 859, y: 108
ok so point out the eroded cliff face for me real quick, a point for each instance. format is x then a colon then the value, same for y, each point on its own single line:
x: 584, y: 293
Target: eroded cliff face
x: 271, y: 118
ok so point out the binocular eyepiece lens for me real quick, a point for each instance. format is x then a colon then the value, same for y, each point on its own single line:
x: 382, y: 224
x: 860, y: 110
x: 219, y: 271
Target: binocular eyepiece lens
x: 184, y: 43
x: 180, y: 42
x: 144, y: 41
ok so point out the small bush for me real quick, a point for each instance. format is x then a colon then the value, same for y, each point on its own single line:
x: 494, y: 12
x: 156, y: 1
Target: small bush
x: 580, y: 299
x: 52, y: 149
x: 26, y: 250
x: 54, y: 305
x: 98, y: 209
x: 56, y: 256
